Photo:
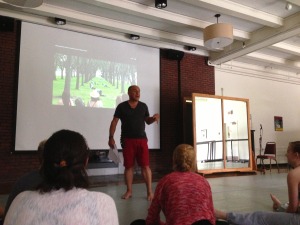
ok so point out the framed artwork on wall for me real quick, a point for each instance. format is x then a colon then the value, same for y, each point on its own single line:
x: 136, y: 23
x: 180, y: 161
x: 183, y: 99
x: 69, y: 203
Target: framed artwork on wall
x: 278, y: 123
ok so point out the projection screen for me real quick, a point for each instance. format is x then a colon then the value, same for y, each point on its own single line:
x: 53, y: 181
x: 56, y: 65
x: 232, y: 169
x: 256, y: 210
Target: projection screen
x: 71, y: 80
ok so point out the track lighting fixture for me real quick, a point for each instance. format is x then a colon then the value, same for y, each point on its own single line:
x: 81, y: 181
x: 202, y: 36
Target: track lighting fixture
x: 160, y: 4
x: 134, y: 37
x: 59, y: 21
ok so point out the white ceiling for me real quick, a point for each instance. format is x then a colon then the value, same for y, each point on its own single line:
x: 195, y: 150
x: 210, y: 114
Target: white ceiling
x: 267, y: 36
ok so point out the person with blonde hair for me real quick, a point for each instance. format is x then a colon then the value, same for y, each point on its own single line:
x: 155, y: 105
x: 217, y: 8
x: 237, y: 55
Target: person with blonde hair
x: 183, y: 195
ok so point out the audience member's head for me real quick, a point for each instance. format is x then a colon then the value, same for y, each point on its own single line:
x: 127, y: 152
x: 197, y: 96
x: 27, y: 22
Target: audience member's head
x: 295, y: 146
x: 40, y: 150
x: 64, y: 160
x: 184, y: 158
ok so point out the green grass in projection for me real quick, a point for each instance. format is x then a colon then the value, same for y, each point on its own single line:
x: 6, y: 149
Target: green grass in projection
x: 108, y: 93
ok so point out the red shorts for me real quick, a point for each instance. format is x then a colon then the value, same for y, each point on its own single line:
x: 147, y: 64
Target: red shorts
x: 135, y: 149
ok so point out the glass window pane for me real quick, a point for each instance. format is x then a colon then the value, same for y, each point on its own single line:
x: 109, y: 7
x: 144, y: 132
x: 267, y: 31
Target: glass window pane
x: 208, y: 120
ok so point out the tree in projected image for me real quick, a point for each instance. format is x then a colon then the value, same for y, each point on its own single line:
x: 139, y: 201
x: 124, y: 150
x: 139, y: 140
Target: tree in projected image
x: 89, y: 82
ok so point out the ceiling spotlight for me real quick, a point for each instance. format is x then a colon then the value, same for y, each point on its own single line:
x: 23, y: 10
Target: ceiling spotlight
x: 160, y: 4
x: 59, y: 21
x: 134, y: 37
x: 288, y: 6
x: 191, y: 48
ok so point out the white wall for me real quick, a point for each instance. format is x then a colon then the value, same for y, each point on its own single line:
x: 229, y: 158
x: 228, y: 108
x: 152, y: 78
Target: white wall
x: 267, y: 98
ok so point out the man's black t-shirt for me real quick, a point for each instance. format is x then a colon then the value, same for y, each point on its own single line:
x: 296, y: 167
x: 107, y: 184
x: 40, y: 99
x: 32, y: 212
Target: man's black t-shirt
x: 133, y: 120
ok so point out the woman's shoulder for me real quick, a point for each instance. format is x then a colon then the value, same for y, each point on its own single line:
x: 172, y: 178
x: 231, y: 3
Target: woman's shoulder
x: 295, y: 170
x: 28, y: 194
x: 98, y: 195
x: 294, y: 174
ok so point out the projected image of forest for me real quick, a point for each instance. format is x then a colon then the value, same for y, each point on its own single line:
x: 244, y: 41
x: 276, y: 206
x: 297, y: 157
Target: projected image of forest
x: 86, y: 82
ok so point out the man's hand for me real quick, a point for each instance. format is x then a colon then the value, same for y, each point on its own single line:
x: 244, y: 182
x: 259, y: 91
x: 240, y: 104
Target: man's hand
x: 156, y: 117
x: 111, y: 142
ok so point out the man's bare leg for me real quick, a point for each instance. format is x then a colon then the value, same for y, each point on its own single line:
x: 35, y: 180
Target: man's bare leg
x: 147, y: 174
x: 128, y: 176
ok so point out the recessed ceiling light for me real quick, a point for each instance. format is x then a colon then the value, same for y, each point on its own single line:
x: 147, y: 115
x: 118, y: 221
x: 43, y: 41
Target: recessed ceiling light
x: 160, y: 4
x: 191, y: 48
x: 288, y: 6
x: 59, y: 21
x: 134, y: 37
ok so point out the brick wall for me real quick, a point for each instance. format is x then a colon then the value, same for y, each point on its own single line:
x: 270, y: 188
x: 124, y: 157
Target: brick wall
x: 12, y: 165
x: 195, y: 76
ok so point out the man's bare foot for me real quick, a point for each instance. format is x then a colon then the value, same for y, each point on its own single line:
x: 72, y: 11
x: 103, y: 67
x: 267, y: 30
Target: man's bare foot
x: 127, y: 195
x: 149, y: 197
x: 220, y: 214
x: 276, y: 202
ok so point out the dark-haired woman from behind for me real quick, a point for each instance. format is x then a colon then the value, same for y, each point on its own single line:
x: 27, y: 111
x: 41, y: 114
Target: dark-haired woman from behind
x: 62, y: 198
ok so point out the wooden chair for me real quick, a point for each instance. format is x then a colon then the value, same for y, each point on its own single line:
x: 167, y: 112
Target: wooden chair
x: 269, y: 153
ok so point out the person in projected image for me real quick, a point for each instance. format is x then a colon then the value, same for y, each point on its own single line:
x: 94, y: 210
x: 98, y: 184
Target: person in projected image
x: 95, y: 101
x: 133, y: 115
x: 285, y: 214
x: 66, y: 99
x: 79, y: 102
x: 62, y: 196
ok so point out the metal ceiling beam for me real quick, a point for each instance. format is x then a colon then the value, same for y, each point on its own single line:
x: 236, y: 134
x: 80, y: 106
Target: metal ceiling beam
x: 288, y: 48
x: 103, y: 27
x: 274, y: 60
x: 147, y: 12
x: 259, y: 39
x: 155, y: 14
x: 113, y: 25
x: 239, y: 11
